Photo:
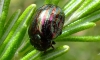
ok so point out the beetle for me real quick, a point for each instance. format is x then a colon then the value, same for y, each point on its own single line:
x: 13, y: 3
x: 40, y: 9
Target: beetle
x: 46, y: 25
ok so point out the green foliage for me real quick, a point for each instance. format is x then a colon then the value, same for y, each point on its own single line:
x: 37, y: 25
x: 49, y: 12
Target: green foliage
x: 3, y: 14
x: 14, y: 40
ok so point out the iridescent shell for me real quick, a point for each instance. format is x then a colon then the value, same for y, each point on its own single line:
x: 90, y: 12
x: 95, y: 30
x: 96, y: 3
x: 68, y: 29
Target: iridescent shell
x: 46, y: 25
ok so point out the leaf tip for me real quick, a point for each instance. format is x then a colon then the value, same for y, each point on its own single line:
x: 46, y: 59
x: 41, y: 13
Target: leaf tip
x: 33, y: 5
x: 66, y: 47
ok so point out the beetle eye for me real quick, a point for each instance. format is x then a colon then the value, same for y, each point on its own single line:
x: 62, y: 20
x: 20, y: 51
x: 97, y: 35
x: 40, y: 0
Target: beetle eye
x: 37, y: 37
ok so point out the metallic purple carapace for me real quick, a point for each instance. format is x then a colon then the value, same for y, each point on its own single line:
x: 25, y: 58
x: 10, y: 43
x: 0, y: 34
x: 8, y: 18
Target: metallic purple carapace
x: 47, y: 25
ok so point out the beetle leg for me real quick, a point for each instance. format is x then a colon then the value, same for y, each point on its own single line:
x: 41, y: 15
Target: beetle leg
x: 53, y: 42
x: 52, y: 46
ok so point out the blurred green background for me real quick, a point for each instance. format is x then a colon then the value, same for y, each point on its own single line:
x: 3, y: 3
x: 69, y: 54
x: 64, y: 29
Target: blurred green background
x: 78, y: 50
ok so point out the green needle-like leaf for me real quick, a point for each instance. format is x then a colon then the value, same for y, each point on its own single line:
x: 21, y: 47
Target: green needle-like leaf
x: 54, y: 53
x: 1, y: 6
x: 9, y: 25
x: 80, y: 39
x: 32, y: 55
x: 68, y: 4
x: 19, y: 30
x: 51, y: 54
x: 86, y: 8
x: 25, y: 49
x: 4, y: 6
x: 71, y: 7
x: 77, y: 28
x: 90, y: 18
